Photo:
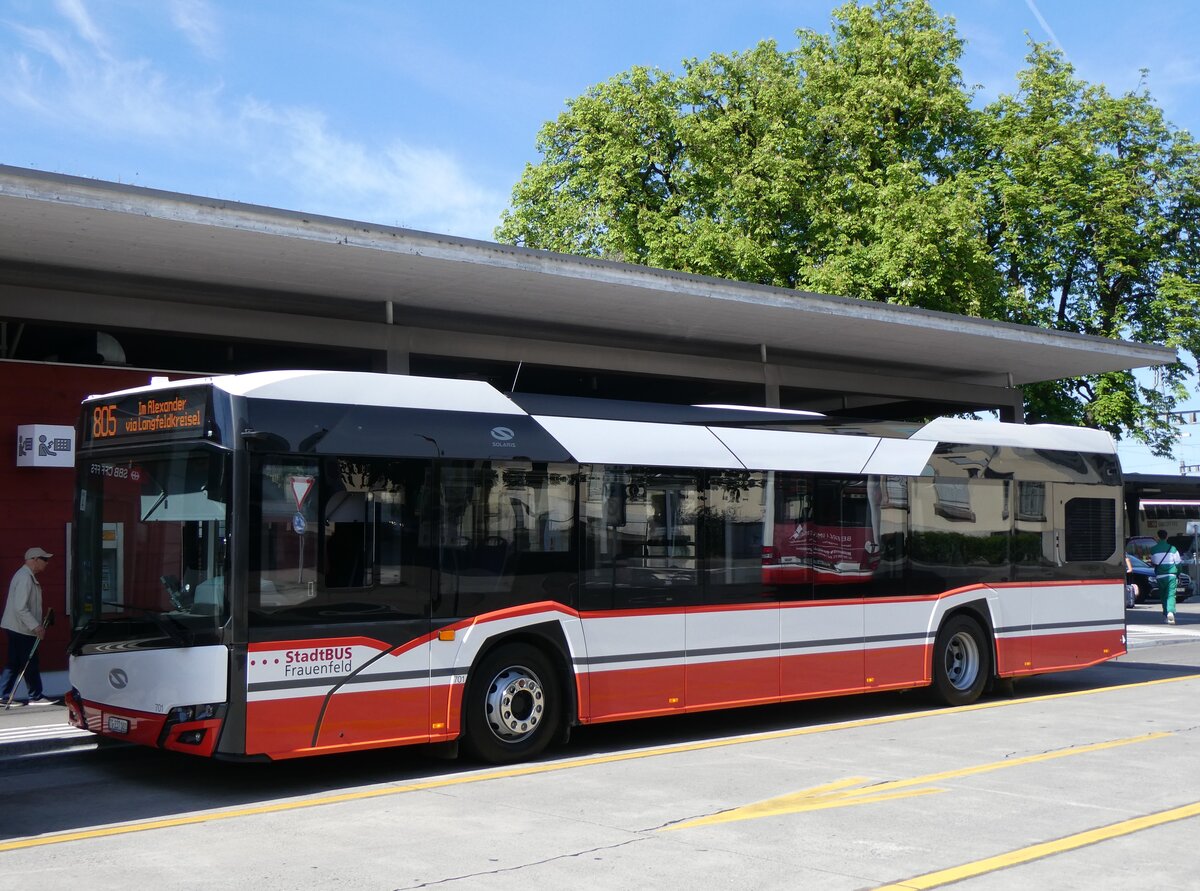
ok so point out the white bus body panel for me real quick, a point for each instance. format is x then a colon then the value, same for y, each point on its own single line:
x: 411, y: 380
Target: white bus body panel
x: 153, y: 681
x: 1028, y: 436
x: 595, y: 441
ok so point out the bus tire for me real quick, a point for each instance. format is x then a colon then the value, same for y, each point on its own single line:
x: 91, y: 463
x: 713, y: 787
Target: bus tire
x: 962, y: 661
x: 512, y: 706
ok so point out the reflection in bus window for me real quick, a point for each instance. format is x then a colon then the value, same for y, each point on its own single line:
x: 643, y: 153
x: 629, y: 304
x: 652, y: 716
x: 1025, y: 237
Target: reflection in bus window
x: 341, y: 540
x: 640, y: 537
x: 1031, y: 501
x: 836, y: 537
x: 152, y: 532
x: 286, y: 510
x: 506, y: 535
x: 948, y: 553
x: 732, y: 535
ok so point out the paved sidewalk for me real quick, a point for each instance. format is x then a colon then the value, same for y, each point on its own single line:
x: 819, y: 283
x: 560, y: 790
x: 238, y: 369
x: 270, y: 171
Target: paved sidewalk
x: 39, y: 729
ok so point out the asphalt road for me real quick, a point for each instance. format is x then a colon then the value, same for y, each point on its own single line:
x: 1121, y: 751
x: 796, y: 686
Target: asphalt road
x: 1081, y: 780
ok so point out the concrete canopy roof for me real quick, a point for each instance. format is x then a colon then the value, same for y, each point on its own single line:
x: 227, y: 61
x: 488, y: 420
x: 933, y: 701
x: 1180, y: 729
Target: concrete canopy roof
x: 68, y: 230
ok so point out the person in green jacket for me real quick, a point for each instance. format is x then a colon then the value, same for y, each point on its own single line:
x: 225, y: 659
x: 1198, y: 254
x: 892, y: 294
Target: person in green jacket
x: 1165, y: 560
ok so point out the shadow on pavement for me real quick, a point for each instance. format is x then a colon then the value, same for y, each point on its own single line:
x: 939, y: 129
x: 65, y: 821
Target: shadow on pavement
x: 117, y: 783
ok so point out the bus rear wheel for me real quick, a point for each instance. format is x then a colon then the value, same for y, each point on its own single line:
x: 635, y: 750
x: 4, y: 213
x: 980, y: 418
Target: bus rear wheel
x: 512, y: 705
x: 962, y: 661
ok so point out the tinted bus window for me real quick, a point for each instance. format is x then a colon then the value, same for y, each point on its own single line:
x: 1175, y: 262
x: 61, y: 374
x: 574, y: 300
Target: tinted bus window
x: 640, y: 537
x: 734, y: 517
x: 506, y: 535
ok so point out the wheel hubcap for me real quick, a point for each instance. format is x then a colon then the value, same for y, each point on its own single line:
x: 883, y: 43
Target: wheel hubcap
x: 962, y: 661
x: 515, y: 703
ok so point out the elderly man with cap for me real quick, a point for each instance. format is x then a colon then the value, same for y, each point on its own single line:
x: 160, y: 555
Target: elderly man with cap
x: 22, y: 622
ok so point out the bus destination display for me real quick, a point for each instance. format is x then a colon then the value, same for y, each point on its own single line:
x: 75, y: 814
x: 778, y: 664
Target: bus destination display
x: 147, y: 416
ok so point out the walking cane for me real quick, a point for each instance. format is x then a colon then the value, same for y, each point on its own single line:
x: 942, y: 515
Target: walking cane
x: 46, y: 623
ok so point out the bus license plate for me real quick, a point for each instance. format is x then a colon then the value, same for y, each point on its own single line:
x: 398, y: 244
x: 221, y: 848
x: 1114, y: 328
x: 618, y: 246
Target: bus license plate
x: 118, y: 725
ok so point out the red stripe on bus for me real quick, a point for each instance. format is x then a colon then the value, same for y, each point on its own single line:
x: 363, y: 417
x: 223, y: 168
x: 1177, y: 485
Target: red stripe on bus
x: 1055, y: 652
x: 822, y: 674
x: 281, y: 725
x: 635, y: 692
x: 899, y: 666
x: 744, y: 682
x: 144, y: 727
x: 371, y: 719
x: 399, y: 715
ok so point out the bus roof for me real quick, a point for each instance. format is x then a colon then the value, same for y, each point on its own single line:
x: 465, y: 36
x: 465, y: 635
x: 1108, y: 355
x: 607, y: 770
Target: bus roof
x: 1030, y: 436
x: 603, y: 431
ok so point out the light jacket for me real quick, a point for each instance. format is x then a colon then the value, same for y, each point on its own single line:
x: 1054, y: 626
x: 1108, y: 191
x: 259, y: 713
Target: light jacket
x: 23, y: 609
x: 1164, y: 558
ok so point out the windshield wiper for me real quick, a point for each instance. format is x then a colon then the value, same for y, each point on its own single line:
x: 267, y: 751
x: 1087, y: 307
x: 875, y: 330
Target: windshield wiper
x: 167, y: 624
x: 82, y: 636
x: 155, y: 506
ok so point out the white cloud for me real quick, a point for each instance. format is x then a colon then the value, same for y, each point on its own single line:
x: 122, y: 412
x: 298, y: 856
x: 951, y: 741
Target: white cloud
x: 394, y: 184
x: 1041, y: 20
x: 76, y: 12
x: 78, y: 89
x: 195, y: 20
x: 67, y: 82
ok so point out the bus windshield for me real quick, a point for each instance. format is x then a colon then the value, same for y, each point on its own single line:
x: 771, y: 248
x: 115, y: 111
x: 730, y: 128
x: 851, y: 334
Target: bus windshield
x: 152, y: 546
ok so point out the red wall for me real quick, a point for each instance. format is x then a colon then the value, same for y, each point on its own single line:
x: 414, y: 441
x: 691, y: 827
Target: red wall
x: 35, y: 502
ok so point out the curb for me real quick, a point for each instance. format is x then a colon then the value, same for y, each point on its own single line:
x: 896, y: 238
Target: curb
x: 28, y: 731
x: 11, y: 750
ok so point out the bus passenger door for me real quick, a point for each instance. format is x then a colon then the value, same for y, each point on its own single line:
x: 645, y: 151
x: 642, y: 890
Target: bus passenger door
x: 639, y: 575
x: 895, y: 625
x: 378, y: 567
x: 823, y: 557
x: 733, y: 636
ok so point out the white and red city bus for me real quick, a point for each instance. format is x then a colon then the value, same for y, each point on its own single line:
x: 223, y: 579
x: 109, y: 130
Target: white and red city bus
x: 282, y: 564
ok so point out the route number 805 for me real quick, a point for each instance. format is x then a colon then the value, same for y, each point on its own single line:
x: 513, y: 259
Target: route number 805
x: 104, y: 421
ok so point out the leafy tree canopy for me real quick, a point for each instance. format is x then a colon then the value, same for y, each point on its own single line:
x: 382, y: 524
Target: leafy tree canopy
x: 855, y: 164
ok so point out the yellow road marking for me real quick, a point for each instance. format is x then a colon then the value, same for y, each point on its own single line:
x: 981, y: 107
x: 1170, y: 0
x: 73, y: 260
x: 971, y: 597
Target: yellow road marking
x: 1045, y: 849
x: 532, y: 769
x: 799, y: 802
x: 838, y: 794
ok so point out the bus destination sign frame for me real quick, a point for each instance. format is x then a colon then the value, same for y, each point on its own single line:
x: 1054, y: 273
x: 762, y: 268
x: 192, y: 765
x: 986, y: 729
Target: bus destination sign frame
x: 146, y: 417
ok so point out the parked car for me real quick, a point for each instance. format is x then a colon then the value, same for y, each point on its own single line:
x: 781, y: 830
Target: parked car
x: 1140, y: 545
x: 1140, y: 575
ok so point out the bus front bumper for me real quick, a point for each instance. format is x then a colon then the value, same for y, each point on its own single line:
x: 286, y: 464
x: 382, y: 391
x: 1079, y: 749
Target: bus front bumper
x: 191, y: 729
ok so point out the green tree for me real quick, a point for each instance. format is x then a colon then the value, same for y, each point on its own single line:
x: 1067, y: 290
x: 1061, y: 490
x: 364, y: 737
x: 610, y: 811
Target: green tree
x: 895, y: 209
x: 835, y: 167
x: 855, y: 165
x: 693, y: 173
x: 1094, y: 223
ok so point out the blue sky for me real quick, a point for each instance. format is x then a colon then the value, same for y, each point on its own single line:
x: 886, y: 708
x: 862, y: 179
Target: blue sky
x: 423, y: 114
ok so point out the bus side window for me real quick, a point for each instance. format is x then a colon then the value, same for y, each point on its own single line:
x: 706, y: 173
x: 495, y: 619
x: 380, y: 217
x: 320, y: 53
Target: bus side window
x: 283, y: 513
x: 347, y: 551
x: 507, y: 535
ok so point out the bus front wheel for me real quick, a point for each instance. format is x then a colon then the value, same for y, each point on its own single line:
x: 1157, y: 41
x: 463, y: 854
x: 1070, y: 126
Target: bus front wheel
x: 512, y: 705
x: 961, y: 661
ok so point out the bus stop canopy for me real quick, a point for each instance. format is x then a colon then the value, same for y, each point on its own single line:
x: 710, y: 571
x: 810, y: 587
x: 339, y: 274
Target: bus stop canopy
x: 137, y: 262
